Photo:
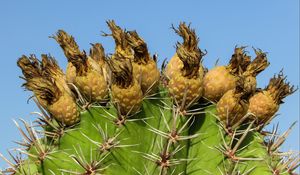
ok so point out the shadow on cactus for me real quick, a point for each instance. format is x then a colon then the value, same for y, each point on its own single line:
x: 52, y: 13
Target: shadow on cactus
x: 120, y: 114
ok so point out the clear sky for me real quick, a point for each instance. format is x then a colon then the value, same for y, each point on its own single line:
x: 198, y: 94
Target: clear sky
x: 272, y: 25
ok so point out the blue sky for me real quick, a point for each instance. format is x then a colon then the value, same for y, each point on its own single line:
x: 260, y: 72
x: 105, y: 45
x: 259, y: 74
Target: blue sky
x: 272, y: 26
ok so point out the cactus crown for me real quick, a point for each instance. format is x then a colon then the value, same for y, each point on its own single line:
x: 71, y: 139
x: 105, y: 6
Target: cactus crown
x: 30, y: 66
x: 188, y: 51
x: 72, y: 52
x: 120, y: 36
x: 97, y: 52
x: 68, y: 44
x: 122, y: 71
x: 279, y: 88
x: 259, y: 64
x: 50, y: 68
x: 141, y: 54
x: 239, y: 61
x: 38, y: 80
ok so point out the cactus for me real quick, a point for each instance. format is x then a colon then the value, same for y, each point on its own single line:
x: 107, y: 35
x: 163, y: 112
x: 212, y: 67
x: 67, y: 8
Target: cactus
x: 118, y: 114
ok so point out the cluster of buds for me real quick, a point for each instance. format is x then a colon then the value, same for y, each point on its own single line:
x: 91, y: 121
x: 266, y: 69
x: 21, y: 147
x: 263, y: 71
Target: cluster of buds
x: 221, y: 79
x: 134, y: 72
x: 233, y: 88
x: 131, y: 73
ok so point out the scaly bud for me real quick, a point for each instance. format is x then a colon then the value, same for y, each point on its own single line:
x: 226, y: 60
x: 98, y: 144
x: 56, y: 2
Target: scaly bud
x: 144, y: 67
x: 49, y: 89
x: 184, y: 71
x: 233, y: 105
x: 265, y: 103
x: 89, y: 77
x: 126, y: 91
x: 221, y: 79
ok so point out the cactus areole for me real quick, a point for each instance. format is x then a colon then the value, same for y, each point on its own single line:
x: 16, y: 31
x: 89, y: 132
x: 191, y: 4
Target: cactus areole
x: 119, y: 114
